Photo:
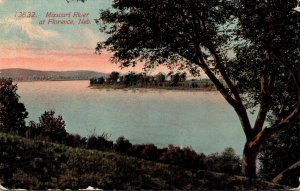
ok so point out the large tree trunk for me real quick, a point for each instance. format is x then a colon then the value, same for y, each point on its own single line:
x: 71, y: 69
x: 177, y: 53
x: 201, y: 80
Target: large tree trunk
x: 249, y: 160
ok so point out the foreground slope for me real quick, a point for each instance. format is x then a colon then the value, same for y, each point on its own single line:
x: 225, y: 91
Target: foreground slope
x: 25, y: 163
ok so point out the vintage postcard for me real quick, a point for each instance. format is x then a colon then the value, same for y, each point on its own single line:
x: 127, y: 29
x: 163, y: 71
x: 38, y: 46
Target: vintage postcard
x: 149, y: 94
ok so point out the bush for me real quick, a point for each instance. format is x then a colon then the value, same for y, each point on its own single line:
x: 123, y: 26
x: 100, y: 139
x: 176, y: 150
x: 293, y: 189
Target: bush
x: 49, y: 127
x: 149, y: 152
x: 185, y: 157
x: 100, y: 80
x: 160, y: 78
x: 99, y: 142
x: 75, y: 141
x: 136, y: 150
x: 12, y: 112
x: 113, y: 77
x: 226, y: 162
x: 122, y: 146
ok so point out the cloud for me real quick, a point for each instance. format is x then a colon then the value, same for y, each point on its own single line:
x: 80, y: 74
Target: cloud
x: 34, y: 32
x: 90, y: 37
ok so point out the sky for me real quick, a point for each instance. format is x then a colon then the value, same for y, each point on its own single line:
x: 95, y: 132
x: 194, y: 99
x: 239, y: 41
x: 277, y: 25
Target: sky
x: 28, y: 42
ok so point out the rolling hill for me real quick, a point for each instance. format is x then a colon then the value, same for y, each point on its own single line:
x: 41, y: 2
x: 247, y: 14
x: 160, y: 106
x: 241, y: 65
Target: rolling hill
x: 19, y: 74
x: 41, y: 165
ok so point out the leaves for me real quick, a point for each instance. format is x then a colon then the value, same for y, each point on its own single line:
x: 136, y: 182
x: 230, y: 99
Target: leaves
x: 146, y: 31
x: 12, y: 112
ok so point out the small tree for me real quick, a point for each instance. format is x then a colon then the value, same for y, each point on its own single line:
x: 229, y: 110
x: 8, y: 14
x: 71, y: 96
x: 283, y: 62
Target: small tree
x: 122, y: 145
x: 183, y: 77
x: 130, y: 79
x: 50, y: 127
x: 160, y: 78
x: 113, y: 77
x: 100, y: 80
x: 225, y: 162
x: 175, y: 79
x: 99, y: 142
x: 12, y: 112
x: 150, y: 152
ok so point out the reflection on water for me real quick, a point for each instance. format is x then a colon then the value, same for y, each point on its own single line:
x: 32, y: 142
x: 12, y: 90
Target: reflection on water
x: 202, y: 120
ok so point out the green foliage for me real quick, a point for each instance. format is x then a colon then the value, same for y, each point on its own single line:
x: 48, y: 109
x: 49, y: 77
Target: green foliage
x: 225, y: 162
x: 142, y: 80
x: 270, y: 24
x: 130, y: 79
x: 266, y: 32
x: 100, y: 80
x: 281, y: 151
x: 159, y: 32
x: 75, y: 140
x: 160, y: 78
x: 150, y: 152
x: 185, y: 157
x: 49, y: 127
x: 12, y: 112
x: 122, y: 145
x: 113, y: 77
x: 99, y: 142
x: 177, y: 77
x: 39, y: 165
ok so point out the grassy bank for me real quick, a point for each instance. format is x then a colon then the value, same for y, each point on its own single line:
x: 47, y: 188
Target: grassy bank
x: 31, y: 164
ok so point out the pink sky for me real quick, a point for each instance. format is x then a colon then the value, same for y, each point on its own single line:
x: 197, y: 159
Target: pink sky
x: 60, y: 61
x: 27, y: 44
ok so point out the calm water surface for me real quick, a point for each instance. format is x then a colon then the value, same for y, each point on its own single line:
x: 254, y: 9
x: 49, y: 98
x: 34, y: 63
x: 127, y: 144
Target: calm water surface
x: 201, y: 120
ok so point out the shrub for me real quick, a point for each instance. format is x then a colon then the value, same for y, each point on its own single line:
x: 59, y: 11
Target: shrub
x: 100, y: 80
x: 160, y: 78
x: 113, y: 77
x: 149, y: 152
x: 122, y: 145
x: 99, y: 142
x: 50, y: 127
x: 185, y: 157
x: 75, y: 141
x: 226, y: 162
x: 136, y: 150
x: 12, y: 112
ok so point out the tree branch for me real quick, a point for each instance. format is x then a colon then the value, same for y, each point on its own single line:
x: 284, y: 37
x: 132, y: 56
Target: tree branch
x: 221, y: 68
x: 296, y: 78
x: 201, y: 62
x: 294, y: 111
x: 235, y: 103
x: 285, y: 173
x: 239, y: 108
x: 267, y: 81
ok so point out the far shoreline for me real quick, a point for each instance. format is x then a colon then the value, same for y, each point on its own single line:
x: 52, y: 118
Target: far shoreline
x: 122, y: 87
x: 176, y: 88
x: 51, y: 80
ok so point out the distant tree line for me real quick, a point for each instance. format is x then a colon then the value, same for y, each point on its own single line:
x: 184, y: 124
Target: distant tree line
x: 133, y: 79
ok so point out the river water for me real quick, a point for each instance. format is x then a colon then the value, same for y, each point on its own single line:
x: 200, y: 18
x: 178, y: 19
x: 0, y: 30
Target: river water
x: 201, y: 120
